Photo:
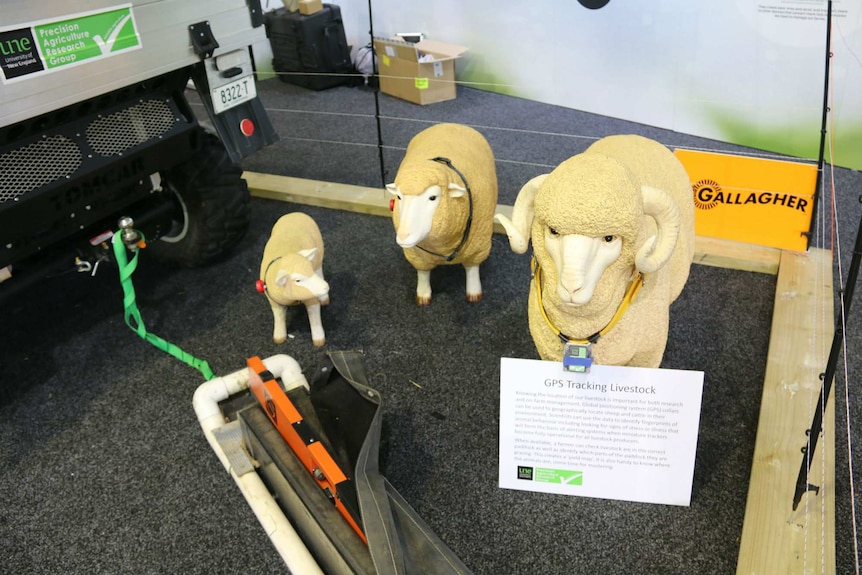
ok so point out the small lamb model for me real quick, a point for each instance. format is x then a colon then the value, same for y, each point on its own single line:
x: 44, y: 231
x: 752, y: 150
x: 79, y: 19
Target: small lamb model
x: 291, y: 272
x: 445, y: 194
x: 613, y: 239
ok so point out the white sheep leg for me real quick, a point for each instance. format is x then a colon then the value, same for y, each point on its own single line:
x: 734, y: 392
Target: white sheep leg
x: 317, y: 335
x: 423, y: 287
x: 319, y: 272
x: 474, y: 284
x: 279, y: 317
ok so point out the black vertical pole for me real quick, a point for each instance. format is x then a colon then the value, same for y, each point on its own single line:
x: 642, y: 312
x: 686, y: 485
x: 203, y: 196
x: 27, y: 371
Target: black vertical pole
x: 818, y: 184
x: 802, y: 483
x: 376, y: 98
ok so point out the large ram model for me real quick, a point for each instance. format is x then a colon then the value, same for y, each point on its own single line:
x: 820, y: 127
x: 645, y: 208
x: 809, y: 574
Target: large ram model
x: 613, y: 238
x: 95, y: 125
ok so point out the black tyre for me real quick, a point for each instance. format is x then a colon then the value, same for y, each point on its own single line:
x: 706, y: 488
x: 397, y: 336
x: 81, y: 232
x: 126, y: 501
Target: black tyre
x: 213, y: 214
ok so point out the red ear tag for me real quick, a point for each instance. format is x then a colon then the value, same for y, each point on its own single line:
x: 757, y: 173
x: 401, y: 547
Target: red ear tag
x: 392, y: 205
x: 260, y: 286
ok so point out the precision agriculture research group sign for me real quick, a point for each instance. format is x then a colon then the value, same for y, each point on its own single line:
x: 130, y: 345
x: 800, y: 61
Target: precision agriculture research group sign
x: 48, y: 45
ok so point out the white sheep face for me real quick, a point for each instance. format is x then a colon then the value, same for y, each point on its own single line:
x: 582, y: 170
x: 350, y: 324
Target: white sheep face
x: 415, y: 212
x: 295, y: 280
x: 580, y: 262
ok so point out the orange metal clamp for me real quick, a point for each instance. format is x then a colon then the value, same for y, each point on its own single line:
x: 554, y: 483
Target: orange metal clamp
x: 300, y: 438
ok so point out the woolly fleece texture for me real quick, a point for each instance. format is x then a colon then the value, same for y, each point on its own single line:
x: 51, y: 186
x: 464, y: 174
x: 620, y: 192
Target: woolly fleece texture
x: 470, y: 153
x: 294, y: 233
x: 598, y: 193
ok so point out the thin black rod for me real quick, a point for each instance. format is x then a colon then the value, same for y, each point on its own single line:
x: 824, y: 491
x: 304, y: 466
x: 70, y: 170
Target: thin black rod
x: 818, y: 188
x: 376, y: 80
x: 802, y: 483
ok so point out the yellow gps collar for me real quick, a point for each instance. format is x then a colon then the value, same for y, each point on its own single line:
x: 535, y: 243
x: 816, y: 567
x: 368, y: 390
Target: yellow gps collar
x: 627, y: 300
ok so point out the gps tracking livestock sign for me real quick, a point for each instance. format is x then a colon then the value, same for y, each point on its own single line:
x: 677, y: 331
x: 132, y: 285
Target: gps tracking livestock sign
x: 626, y: 433
x: 45, y: 46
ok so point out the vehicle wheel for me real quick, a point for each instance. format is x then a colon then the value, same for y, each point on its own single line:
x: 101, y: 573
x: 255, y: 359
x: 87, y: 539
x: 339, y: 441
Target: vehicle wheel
x: 213, y: 199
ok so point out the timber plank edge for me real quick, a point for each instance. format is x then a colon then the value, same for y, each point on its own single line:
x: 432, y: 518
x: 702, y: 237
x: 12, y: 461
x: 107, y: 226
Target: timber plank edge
x: 775, y: 537
x: 375, y: 201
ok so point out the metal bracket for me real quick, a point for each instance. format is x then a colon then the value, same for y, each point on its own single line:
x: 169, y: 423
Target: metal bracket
x: 230, y: 438
x: 203, y: 40
x: 256, y: 13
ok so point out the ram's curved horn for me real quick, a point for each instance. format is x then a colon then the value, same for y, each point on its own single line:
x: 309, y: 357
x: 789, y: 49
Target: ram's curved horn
x: 518, y: 228
x: 657, y: 250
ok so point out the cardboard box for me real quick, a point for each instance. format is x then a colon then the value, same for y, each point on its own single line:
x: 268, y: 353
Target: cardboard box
x: 422, y: 73
x: 310, y: 6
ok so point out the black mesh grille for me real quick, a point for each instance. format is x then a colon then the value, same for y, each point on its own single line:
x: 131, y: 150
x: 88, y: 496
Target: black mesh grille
x: 33, y: 166
x: 114, y: 134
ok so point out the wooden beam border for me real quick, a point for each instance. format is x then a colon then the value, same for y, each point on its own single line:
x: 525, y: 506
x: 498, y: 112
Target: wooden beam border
x: 774, y: 538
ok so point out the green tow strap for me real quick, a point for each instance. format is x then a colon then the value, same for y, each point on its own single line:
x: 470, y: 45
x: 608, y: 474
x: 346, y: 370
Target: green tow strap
x: 133, y: 314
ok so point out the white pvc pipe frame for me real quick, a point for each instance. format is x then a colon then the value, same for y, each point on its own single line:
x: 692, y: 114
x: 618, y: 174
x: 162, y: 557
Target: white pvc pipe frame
x: 206, y: 398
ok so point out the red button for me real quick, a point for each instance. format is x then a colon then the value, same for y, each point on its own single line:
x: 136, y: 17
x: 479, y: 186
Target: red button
x: 246, y: 126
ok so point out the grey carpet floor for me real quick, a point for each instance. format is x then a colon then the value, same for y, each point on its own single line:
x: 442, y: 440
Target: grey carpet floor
x: 104, y: 467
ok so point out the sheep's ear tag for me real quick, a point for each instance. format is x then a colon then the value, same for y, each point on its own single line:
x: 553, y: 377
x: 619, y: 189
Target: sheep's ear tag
x: 577, y: 358
x: 260, y: 286
x: 392, y: 204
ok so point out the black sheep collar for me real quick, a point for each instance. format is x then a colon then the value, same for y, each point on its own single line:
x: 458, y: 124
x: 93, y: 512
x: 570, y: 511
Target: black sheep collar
x: 469, y: 223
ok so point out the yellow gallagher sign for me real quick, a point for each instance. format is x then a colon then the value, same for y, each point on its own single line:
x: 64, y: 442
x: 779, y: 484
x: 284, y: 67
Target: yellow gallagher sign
x: 751, y: 200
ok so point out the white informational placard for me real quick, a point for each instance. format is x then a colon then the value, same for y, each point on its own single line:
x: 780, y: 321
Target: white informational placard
x: 615, y: 433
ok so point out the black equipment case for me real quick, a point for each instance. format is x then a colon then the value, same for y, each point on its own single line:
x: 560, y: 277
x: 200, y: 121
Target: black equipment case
x: 310, y: 50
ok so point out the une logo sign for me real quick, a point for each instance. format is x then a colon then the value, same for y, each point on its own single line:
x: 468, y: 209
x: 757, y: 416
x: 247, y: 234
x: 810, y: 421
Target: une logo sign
x: 13, y: 46
x: 525, y: 473
x: 18, y: 55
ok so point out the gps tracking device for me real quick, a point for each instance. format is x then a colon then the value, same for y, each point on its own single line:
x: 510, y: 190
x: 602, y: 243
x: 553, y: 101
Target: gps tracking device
x: 577, y: 358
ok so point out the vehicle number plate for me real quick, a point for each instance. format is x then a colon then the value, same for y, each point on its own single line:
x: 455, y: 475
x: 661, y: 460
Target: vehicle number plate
x: 233, y: 94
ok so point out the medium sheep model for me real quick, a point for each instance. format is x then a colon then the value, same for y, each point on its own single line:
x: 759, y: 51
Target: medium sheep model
x: 613, y: 239
x: 291, y: 272
x: 445, y: 194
